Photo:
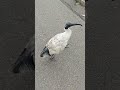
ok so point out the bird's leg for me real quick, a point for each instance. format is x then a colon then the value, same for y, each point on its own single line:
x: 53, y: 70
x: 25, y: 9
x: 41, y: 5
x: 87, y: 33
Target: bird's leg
x: 52, y: 57
x: 67, y: 46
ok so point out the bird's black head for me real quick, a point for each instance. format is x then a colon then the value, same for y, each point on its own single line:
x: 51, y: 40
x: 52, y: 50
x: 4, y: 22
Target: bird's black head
x: 70, y: 24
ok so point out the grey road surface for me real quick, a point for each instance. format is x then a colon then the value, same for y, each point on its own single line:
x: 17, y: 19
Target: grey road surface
x: 68, y: 71
x: 75, y: 7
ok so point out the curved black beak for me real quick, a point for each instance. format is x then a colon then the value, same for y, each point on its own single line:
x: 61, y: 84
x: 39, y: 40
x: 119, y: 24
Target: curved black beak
x: 68, y: 25
x: 76, y: 24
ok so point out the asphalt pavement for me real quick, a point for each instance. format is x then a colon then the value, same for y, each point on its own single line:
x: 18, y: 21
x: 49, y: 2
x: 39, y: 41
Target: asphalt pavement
x: 67, y: 72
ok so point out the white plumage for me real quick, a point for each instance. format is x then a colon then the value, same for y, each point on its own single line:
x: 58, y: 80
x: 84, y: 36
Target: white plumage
x: 58, y: 43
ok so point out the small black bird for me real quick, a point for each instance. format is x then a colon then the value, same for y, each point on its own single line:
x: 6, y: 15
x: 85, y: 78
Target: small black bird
x: 26, y: 58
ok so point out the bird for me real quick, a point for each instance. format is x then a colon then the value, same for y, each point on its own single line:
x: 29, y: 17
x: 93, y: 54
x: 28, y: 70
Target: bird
x: 26, y: 58
x: 58, y: 43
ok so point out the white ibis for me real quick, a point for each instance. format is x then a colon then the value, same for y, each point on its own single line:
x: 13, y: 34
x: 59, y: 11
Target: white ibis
x: 58, y: 43
x: 26, y: 58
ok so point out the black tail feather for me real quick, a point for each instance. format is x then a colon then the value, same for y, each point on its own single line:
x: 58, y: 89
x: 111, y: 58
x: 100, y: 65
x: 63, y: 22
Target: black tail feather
x: 45, y: 51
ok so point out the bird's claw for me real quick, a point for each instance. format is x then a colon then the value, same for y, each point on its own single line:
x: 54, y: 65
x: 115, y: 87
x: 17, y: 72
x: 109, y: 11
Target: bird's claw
x: 52, y: 57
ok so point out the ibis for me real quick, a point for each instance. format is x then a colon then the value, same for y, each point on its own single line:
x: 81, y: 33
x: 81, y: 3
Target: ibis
x: 59, y: 42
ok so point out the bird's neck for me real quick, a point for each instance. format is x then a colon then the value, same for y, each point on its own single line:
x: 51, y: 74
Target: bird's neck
x: 68, y: 31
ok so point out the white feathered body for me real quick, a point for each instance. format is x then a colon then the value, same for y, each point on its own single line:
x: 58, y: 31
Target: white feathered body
x: 58, y: 43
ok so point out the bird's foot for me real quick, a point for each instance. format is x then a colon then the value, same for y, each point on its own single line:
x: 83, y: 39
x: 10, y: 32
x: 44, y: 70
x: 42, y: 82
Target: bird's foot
x: 52, y: 57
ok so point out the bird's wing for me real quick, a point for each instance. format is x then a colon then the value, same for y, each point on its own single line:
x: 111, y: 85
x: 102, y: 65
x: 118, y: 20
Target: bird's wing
x: 57, y: 43
x: 54, y: 41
